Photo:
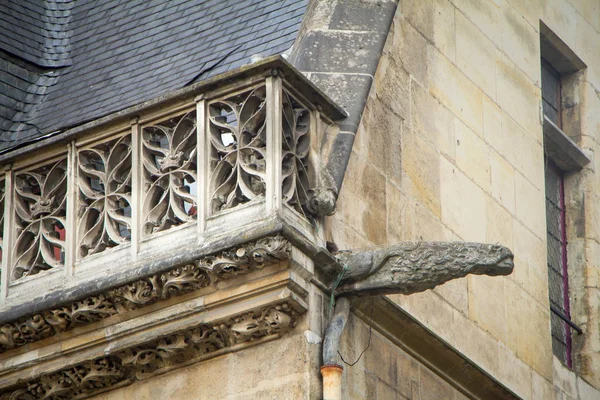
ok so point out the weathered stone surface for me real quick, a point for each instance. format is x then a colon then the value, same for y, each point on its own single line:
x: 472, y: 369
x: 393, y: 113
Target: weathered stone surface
x: 438, y: 130
x: 340, y: 51
x: 421, y: 166
x: 392, y: 85
x: 409, y: 47
x: 222, y: 377
x: 159, y: 355
x: 485, y: 15
x: 518, y: 96
x: 413, y: 267
x: 521, y: 42
x: 363, y: 201
x: 476, y: 55
x: 434, y: 19
x: 472, y: 155
x: 456, y: 292
x: 514, y: 372
x: 401, y: 216
x: 541, y: 388
x: 502, y: 181
x: 348, y: 90
x: 527, y: 329
x: 382, y: 141
x: 528, y: 198
x: 455, y: 90
x: 385, y: 371
x: 458, y: 210
x: 492, y: 124
x: 140, y: 293
x: 488, y: 294
x: 357, y: 15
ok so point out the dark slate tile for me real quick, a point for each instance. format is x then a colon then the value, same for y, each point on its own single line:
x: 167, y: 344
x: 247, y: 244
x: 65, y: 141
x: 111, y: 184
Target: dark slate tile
x: 127, y: 52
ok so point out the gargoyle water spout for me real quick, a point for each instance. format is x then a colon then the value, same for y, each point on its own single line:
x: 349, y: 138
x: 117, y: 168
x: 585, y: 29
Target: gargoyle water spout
x: 413, y: 267
x: 404, y: 268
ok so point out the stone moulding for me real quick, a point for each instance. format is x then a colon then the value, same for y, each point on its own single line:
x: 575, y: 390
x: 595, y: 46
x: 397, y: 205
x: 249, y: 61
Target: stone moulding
x: 142, y: 292
x: 159, y: 355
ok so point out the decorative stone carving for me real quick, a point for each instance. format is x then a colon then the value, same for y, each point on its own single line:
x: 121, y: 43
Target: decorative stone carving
x: 255, y: 255
x: 177, y: 281
x: 104, y: 181
x: 139, y: 362
x: 76, y: 382
x: 169, y: 157
x: 181, y: 347
x: 40, y: 207
x: 296, y: 146
x: 238, y: 149
x: 412, y: 267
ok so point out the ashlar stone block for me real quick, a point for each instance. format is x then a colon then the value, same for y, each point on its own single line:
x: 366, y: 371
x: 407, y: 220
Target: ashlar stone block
x: 476, y: 55
x: 472, y: 155
x: 455, y: 90
x: 421, y: 165
x: 486, y: 305
x: 464, y: 214
x: 518, y: 96
x: 528, y: 327
x: 521, y: 42
x: 485, y: 15
x: 438, y: 130
x: 502, y: 181
x: 434, y: 19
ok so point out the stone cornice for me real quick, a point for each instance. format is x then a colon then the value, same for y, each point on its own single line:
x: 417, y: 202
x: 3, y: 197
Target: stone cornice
x: 160, y: 355
x: 142, y: 292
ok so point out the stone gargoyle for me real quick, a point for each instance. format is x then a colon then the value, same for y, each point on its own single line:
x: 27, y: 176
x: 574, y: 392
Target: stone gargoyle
x: 412, y: 267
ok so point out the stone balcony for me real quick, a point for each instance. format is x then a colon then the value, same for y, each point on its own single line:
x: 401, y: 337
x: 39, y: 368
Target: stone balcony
x: 197, y: 192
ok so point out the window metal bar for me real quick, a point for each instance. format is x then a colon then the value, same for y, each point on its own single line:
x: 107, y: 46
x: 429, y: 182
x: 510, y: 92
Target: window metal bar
x: 567, y: 320
x: 563, y: 234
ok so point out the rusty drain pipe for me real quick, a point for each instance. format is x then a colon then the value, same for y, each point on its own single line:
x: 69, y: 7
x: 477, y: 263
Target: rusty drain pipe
x: 331, y: 370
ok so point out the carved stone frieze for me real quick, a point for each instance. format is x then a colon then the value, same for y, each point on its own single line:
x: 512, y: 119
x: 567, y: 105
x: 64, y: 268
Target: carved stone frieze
x: 40, y: 219
x: 181, y: 347
x: 159, y: 355
x: 251, y: 256
x: 177, y: 281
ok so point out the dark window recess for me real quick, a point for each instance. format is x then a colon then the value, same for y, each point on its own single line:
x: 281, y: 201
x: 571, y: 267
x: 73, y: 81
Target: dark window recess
x: 558, y: 283
x: 551, y: 95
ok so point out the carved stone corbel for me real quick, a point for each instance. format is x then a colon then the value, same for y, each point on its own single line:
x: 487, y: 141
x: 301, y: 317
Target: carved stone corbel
x: 159, y: 355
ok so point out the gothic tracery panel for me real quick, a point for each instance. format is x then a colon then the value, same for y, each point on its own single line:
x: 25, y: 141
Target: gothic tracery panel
x: 104, y: 181
x: 238, y: 148
x: 40, y: 219
x: 296, y: 146
x: 169, y: 158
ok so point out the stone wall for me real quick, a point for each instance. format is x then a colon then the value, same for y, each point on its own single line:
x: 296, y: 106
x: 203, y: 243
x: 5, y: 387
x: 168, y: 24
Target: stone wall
x: 269, y: 371
x: 384, y: 371
x: 450, y: 147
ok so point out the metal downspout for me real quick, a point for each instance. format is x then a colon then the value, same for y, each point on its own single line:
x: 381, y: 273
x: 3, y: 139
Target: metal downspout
x: 331, y: 371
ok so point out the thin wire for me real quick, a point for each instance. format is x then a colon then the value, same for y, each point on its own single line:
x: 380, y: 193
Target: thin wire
x: 368, y: 343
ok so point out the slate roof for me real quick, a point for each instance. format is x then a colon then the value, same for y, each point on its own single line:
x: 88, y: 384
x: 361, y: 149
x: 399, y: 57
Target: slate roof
x: 65, y: 62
